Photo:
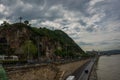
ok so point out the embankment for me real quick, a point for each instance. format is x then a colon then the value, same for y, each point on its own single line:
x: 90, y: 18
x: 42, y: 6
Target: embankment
x: 46, y: 72
x: 93, y: 74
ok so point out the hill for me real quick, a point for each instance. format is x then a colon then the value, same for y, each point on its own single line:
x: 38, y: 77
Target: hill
x: 111, y: 52
x: 33, y: 43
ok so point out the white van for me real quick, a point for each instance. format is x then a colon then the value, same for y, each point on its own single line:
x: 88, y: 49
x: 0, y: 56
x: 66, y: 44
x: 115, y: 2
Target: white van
x: 70, y: 78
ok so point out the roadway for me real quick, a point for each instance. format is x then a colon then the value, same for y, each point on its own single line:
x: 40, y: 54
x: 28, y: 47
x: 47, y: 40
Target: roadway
x: 84, y: 75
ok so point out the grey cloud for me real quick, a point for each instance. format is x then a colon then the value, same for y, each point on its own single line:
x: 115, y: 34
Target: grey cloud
x: 8, y: 2
x: 17, y: 9
x: 82, y: 23
x: 65, y: 22
x: 35, y: 2
x: 1, y: 16
x: 84, y: 43
x: 104, y: 43
x: 77, y: 15
x: 77, y: 29
x: 91, y: 28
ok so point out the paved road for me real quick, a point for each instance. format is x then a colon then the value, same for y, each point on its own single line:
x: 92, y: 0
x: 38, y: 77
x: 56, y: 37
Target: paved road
x: 84, y: 76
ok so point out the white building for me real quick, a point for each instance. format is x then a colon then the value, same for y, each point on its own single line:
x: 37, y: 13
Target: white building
x: 3, y: 57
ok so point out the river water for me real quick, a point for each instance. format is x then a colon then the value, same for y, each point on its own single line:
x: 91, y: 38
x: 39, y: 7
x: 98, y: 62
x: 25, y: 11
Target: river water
x: 109, y: 67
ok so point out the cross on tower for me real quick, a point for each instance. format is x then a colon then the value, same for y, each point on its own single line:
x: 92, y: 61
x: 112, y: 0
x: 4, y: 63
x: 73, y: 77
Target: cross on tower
x: 20, y: 18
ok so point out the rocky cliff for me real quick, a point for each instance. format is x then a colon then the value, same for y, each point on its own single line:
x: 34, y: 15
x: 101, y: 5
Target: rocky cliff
x: 22, y: 40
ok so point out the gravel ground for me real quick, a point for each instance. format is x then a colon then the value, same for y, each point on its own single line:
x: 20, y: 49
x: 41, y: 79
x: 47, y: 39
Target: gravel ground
x: 71, y: 67
x: 46, y: 73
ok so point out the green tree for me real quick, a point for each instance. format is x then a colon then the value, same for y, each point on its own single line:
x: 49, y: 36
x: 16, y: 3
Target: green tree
x: 30, y: 50
x: 26, y: 22
x: 58, y: 52
x: 5, y: 24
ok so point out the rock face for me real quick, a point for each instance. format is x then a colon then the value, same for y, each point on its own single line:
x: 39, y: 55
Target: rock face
x: 49, y: 44
x: 15, y: 36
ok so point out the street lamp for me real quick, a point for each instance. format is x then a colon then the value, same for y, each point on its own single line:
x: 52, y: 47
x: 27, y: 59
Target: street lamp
x: 39, y: 46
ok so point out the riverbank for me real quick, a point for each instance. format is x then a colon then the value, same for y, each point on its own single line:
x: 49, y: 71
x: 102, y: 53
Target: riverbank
x: 93, y: 74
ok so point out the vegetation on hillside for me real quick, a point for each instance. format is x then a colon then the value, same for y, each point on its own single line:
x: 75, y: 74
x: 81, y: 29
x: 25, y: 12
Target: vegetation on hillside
x: 62, y: 45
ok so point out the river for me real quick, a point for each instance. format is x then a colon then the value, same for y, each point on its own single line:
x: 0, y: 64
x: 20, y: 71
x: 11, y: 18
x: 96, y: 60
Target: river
x: 109, y: 67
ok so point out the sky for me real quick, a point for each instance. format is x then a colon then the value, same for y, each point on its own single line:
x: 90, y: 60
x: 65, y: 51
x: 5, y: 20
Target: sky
x: 92, y: 24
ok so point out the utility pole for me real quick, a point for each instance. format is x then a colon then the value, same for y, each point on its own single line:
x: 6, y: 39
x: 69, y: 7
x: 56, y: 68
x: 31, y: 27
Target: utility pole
x: 28, y: 51
x: 66, y: 52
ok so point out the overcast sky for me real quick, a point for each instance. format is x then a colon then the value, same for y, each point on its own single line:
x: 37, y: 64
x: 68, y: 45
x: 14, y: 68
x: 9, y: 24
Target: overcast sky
x: 92, y: 24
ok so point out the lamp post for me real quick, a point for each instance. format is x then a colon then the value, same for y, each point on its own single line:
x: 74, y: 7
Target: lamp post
x: 38, y: 45
x: 28, y: 52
